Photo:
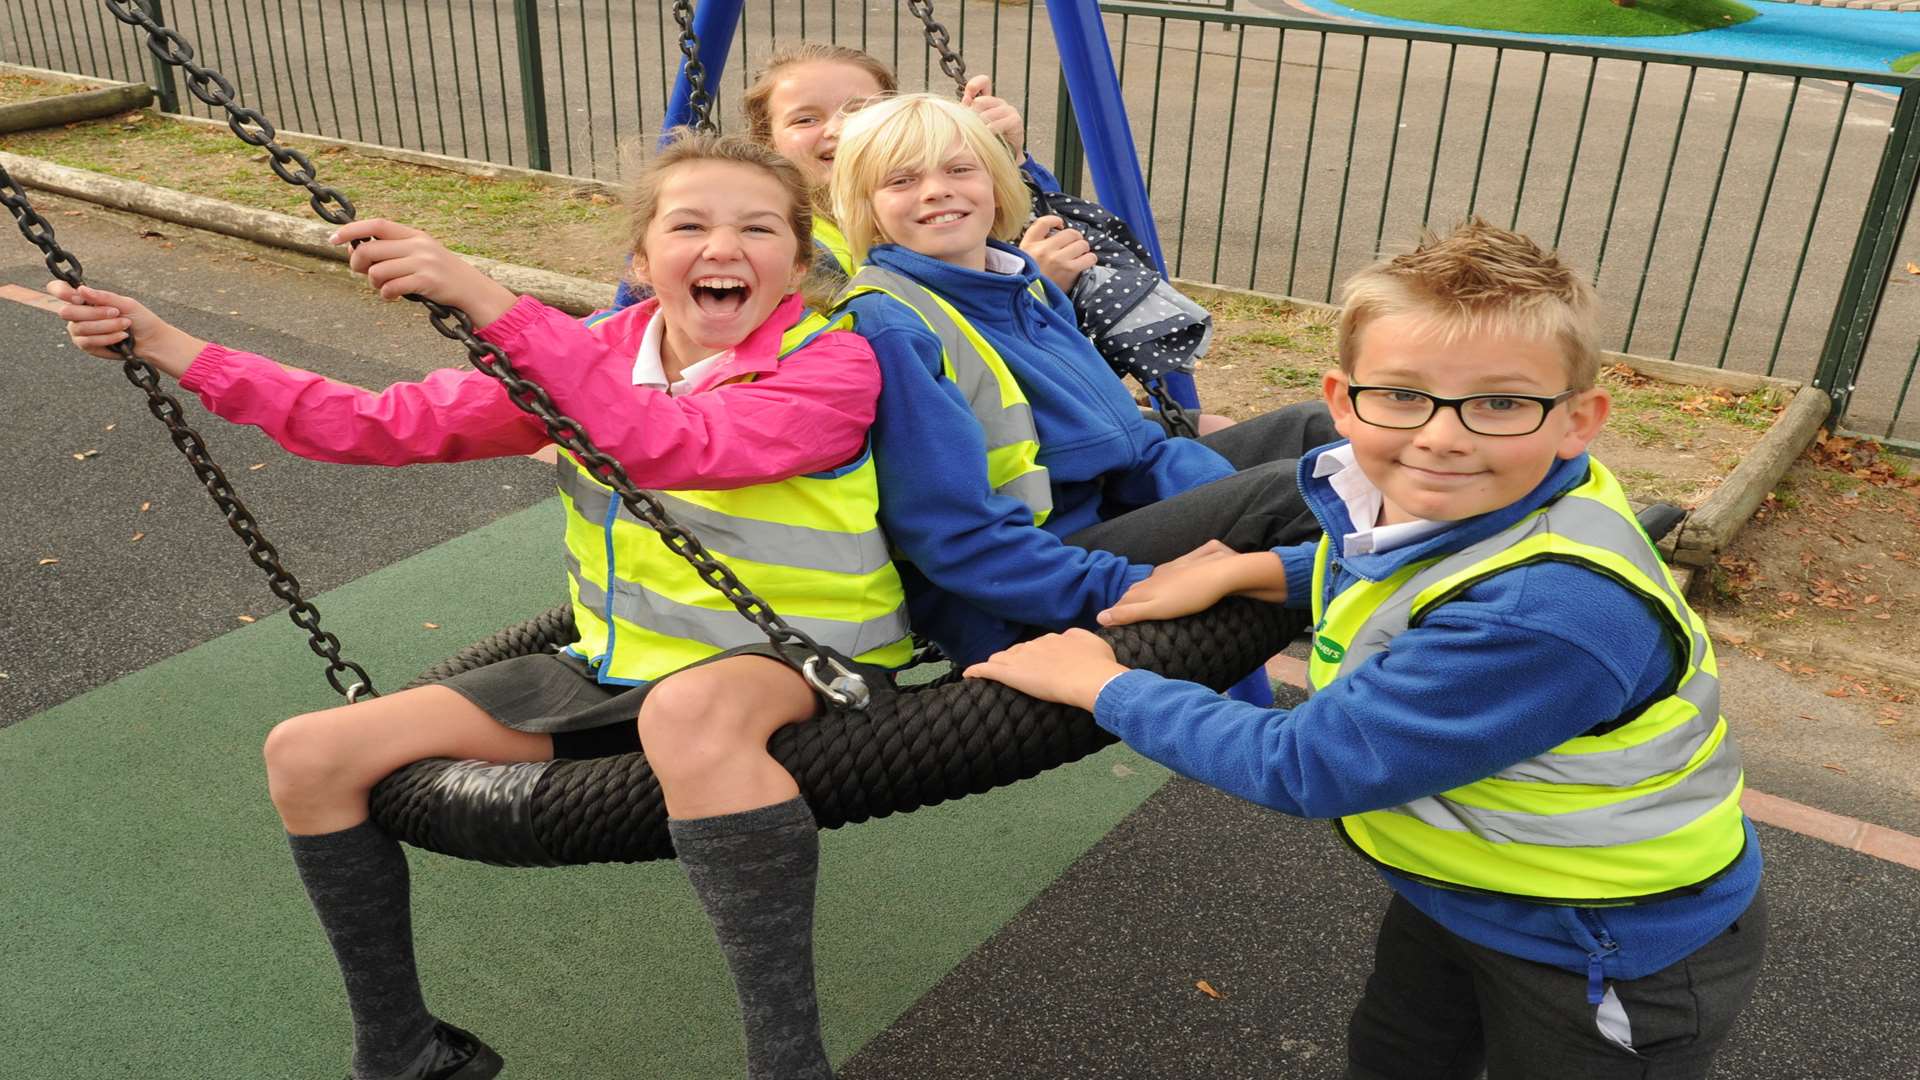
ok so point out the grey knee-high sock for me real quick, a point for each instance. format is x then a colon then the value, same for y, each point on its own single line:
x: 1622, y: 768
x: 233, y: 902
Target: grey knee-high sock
x: 357, y: 880
x: 755, y: 872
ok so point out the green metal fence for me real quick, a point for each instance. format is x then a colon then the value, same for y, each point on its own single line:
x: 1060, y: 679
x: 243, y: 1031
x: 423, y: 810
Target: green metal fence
x: 1750, y: 216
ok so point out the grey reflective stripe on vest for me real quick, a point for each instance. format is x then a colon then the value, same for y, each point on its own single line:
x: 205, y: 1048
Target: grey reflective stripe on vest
x: 725, y: 628
x: 1648, y: 817
x: 1593, y: 523
x: 741, y: 538
x: 1003, y: 425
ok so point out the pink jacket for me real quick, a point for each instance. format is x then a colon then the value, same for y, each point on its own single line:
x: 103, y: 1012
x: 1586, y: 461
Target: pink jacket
x: 808, y: 413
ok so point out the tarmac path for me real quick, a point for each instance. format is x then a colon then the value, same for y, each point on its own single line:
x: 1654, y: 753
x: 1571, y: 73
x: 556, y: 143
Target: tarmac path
x: 1057, y: 929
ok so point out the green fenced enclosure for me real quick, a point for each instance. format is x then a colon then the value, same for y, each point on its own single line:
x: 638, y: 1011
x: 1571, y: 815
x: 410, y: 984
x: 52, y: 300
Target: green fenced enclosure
x: 1735, y: 214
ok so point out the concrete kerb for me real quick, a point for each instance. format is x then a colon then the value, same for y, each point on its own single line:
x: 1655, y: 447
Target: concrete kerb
x: 574, y: 295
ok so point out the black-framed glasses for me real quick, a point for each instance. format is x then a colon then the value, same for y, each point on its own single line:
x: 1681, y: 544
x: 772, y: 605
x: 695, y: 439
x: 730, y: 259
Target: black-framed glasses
x: 1403, y: 409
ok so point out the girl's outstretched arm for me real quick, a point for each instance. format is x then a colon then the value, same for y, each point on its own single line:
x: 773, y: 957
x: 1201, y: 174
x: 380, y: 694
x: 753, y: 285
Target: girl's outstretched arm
x: 448, y: 416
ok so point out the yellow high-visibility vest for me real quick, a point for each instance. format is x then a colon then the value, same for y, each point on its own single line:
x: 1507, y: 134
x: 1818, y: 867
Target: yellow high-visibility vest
x: 810, y: 545
x: 971, y: 363
x: 1642, y: 810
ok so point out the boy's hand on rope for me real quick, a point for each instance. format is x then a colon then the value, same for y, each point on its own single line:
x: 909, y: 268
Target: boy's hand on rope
x: 1069, y: 668
x: 97, y: 320
x: 1197, y: 581
x: 400, y: 261
x: 1062, y: 253
x: 1002, y: 118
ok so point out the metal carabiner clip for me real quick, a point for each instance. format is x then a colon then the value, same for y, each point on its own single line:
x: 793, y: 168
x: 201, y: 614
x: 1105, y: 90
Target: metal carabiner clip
x: 846, y: 689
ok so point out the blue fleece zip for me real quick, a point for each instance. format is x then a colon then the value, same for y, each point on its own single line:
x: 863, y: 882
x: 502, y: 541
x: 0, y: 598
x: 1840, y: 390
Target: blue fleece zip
x: 980, y: 569
x: 1512, y: 667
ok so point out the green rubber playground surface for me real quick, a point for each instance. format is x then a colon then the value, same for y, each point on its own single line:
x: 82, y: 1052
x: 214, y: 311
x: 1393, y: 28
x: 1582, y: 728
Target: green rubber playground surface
x: 153, y: 926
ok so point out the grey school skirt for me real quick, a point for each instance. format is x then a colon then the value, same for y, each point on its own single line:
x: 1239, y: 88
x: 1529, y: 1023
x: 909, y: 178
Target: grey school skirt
x: 556, y: 694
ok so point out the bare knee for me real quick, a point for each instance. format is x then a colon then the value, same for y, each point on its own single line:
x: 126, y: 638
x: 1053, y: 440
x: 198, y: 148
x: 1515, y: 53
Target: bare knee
x: 694, y: 724
x: 307, y: 761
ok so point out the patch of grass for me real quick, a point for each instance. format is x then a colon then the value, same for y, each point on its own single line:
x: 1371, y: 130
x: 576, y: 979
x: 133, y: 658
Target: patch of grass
x: 18, y: 88
x: 1647, y: 18
x: 512, y: 220
x: 1293, y: 378
x: 1271, y: 338
x: 1905, y: 63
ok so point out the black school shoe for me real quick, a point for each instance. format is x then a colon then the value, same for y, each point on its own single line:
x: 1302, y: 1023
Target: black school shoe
x: 454, y: 1054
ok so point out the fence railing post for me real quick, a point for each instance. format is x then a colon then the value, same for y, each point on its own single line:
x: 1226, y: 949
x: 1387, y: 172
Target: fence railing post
x: 165, y: 86
x: 533, y: 84
x: 1865, y: 285
x: 1069, y: 154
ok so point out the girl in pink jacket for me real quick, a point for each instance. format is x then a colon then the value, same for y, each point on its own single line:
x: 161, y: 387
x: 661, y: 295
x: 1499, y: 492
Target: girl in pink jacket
x: 749, y: 420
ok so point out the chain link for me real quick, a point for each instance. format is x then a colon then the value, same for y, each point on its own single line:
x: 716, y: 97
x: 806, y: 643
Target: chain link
x: 1179, y: 421
x: 941, y: 42
x: 166, y: 409
x: 699, y: 103
x: 249, y: 125
x: 844, y: 686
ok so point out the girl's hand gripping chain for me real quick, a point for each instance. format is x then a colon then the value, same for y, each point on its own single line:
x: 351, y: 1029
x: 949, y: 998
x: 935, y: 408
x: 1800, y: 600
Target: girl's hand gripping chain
x: 1001, y: 117
x: 401, y: 261
x: 98, y: 319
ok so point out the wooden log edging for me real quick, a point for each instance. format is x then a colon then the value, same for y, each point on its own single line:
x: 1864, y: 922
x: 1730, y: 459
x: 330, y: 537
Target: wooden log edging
x: 1713, y: 524
x: 70, y: 108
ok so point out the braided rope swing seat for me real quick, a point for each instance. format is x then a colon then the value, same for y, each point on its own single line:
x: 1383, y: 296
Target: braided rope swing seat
x: 913, y: 747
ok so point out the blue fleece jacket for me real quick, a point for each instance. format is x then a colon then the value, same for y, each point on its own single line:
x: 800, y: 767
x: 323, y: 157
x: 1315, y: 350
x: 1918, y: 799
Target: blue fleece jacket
x: 1514, y: 666
x: 979, y: 568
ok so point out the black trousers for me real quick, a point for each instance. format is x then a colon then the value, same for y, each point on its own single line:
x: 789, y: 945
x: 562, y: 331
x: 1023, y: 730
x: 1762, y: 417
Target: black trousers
x: 1257, y: 508
x: 1439, y: 1007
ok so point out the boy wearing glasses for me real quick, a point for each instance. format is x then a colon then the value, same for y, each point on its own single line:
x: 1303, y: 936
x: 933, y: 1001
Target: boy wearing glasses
x: 1514, y: 714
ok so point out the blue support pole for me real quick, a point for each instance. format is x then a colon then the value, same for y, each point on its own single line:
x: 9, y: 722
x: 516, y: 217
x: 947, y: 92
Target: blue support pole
x: 713, y: 23
x: 1086, y: 60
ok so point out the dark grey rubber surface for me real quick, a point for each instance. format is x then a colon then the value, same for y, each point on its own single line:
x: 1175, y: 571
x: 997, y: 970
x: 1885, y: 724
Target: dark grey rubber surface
x: 188, y: 578
x: 1096, y: 978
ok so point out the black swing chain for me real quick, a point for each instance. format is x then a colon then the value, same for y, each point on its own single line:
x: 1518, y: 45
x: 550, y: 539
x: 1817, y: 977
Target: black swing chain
x: 941, y: 42
x: 839, y: 684
x: 250, y: 125
x: 166, y: 409
x: 699, y: 102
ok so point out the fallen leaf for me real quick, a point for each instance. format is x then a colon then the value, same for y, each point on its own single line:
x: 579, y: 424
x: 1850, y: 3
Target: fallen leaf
x: 1838, y: 691
x: 256, y: 466
x: 85, y: 454
x: 1206, y: 988
x: 1805, y: 716
x: 246, y: 618
x: 1912, y: 268
x: 110, y: 427
x: 77, y: 213
x: 1836, y: 768
x: 146, y: 506
x: 137, y: 537
x: 431, y: 625
x: 48, y: 562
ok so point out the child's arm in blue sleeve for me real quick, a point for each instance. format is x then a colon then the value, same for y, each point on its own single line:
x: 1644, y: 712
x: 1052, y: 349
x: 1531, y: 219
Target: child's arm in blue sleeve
x: 1471, y: 691
x: 1167, y: 467
x: 940, y: 511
